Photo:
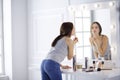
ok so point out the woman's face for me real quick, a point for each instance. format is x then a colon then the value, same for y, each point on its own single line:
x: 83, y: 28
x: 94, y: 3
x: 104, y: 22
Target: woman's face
x: 73, y: 31
x: 95, y: 29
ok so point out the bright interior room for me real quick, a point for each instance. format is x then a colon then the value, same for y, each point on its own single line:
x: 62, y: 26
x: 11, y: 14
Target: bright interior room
x: 28, y: 28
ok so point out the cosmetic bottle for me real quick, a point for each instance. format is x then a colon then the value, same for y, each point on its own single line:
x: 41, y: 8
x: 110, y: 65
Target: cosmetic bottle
x: 98, y: 66
x: 74, y: 63
x: 102, y: 62
x: 94, y: 64
x: 86, y: 62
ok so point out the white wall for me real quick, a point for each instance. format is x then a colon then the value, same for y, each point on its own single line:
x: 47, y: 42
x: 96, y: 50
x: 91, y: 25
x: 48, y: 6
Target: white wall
x: 7, y: 37
x: 19, y: 39
x: 15, y: 39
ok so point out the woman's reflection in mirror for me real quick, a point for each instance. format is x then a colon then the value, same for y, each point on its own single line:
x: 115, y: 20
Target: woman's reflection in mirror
x: 99, y: 42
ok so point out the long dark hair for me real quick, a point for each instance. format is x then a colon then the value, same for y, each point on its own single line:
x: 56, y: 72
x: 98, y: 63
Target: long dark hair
x: 100, y: 28
x: 65, y: 30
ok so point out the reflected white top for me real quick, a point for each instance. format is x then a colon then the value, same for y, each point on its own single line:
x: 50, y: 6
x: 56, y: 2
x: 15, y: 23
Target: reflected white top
x: 107, y: 55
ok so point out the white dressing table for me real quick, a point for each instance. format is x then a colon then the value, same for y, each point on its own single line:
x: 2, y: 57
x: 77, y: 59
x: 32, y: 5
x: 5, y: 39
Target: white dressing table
x: 113, y: 74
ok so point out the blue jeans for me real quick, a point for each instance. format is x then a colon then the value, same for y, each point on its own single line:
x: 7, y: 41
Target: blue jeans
x: 50, y: 70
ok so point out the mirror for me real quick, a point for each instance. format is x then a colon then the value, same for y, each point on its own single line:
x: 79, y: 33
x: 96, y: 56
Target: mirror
x: 83, y: 15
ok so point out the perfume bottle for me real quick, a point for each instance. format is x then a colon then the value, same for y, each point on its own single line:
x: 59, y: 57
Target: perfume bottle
x: 102, y: 62
x: 98, y: 65
x: 94, y: 64
x: 74, y: 63
x: 86, y: 62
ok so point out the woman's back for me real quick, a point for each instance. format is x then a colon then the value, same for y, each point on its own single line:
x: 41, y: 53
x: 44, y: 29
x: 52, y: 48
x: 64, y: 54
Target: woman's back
x: 59, y: 51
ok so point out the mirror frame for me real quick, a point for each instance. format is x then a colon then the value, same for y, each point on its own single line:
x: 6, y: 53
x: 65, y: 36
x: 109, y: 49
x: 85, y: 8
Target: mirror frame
x: 112, y: 5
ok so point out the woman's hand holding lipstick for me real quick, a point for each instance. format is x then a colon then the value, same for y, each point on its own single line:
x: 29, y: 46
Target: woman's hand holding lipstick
x: 75, y: 40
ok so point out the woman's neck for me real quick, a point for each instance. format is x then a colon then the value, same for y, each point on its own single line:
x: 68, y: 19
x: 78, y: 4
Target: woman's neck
x: 96, y: 36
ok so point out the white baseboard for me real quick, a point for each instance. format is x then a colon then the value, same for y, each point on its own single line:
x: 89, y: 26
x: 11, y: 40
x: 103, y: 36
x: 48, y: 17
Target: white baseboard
x: 4, y: 77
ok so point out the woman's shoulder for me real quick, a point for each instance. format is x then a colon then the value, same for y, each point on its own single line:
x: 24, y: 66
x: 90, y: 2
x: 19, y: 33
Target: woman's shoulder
x: 90, y: 38
x: 104, y: 37
x: 68, y: 40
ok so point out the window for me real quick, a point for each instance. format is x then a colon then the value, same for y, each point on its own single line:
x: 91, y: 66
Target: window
x: 1, y: 40
x: 82, y: 24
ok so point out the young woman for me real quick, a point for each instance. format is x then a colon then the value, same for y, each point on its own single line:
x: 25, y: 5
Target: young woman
x: 62, y: 46
x: 99, y: 42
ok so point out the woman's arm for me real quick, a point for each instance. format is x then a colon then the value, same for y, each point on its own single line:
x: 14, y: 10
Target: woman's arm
x: 102, y: 48
x: 95, y: 55
x: 71, y: 44
x: 65, y: 66
x: 91, y: 40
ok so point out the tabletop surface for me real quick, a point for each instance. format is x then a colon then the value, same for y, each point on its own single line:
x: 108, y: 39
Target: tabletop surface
x: 103, y: 73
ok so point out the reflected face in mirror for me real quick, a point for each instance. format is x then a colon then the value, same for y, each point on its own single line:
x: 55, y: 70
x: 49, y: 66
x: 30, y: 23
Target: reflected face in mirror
x: 96, y: 28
